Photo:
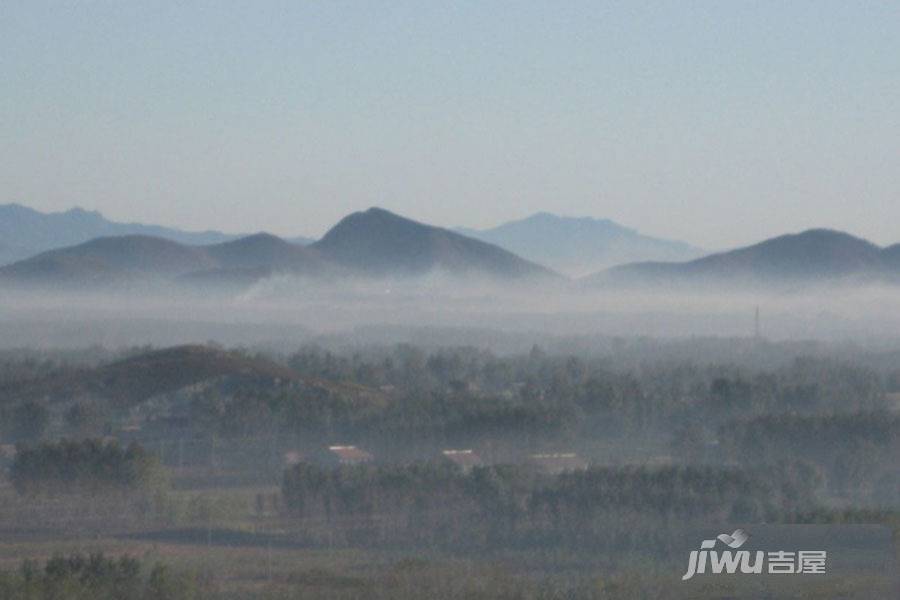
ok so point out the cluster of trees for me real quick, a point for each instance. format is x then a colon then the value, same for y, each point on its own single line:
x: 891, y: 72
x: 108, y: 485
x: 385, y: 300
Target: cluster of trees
x: 463, y: 396
x: 246, y: 410
x: 97, y: 577
x: 404, y: 401
x: 557, y: 390
x: 856, y: 453
x: 24, y: 421
x: 27, y: 417
x: 627, y: 507
x: 821, y: 381
x: 22, y: 366
x: 506, y: 406
x: 89, y: 465
x: 29, y: 420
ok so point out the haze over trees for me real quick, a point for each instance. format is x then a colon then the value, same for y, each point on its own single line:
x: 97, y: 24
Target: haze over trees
x: 585, y: 454
x: 614, y: 455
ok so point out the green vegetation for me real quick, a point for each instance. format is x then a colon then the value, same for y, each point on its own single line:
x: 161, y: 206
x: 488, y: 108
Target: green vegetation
x: 26, y: 421
x: 602, y: 509
x: 214, y: 462
x: 857, y: 452
x: 95, y: 577
x: 88, y: 466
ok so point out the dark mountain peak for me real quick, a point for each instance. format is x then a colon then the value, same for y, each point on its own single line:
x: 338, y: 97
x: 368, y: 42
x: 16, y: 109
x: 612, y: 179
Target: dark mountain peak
x: 891, y: 257
x: 820, y: 237
x: 811, y: 255
x: 814, y: 251
x: 372, y: 220
x: 108, y: 259
x: 378, y: 211
x: 379, y: 242
x: 264, y: 251
x: 374, y: 213
x: 821, y: 233
x: 373, y: 227
x: 892, y: 250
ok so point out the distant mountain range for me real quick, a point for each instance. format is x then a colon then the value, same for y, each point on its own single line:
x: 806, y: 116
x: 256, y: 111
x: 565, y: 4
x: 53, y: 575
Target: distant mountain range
x: 25, y: 232
x: 578, y: 246
x: 375, y: 244
x: 136, y: 258
x: 813, y: 256
x: 378, y: 244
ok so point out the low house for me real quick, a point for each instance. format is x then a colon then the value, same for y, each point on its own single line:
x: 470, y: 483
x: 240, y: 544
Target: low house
x: 557, y: 462
x: 347, y: 455
x: 466, y: 460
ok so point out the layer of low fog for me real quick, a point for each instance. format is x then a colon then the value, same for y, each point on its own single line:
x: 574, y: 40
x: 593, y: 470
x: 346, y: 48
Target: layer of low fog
x: 507, y: 318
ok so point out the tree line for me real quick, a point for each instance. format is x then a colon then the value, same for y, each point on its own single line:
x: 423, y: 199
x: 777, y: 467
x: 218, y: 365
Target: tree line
x: 84, y: 466
x: 510, y: 506
x: 98, y: 577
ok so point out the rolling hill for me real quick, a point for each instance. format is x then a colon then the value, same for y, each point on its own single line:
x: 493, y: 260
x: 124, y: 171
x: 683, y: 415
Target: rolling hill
x: 816, y: 255
x: 132, y: 380
x: 380, y: 243
x: 25, y: 232
x: 373, y: 244
x: 577, y: 246
x: 136, y: 258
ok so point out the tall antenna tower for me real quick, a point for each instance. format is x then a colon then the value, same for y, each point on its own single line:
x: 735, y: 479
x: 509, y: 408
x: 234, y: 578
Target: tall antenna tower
x: 756, y: 324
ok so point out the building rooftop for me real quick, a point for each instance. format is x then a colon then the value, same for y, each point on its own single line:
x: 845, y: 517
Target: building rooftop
x: 464, y: 458
x: 350, y: 453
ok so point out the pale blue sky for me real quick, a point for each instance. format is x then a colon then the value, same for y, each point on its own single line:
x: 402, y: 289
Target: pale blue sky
x: 715, y: 122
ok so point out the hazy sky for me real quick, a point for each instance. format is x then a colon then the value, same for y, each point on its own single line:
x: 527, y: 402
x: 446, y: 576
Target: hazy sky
x: 715, y: 122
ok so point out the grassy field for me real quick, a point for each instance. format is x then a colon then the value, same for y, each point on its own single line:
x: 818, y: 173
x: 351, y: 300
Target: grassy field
x: 228, y: 535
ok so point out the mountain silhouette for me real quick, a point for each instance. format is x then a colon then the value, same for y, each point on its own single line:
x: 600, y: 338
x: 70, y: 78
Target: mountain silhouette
x: 25, y: 232
x: 380, y: 243
x: 137, y: 257
x: 816, y: 255
x: 373, y: 244
x: 580, y: 245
